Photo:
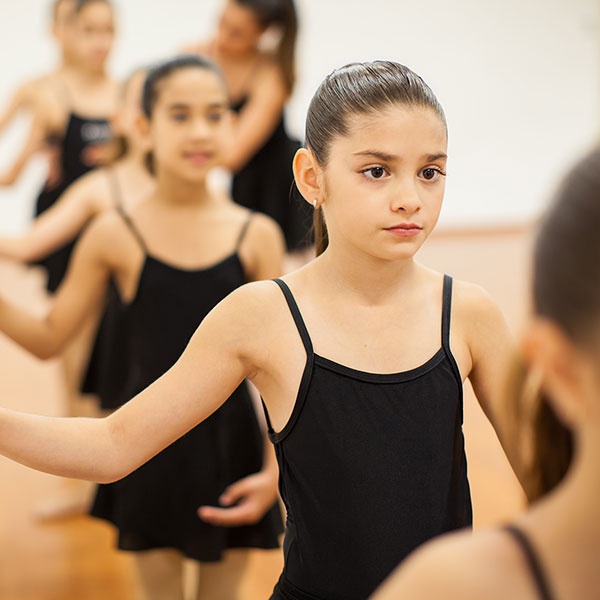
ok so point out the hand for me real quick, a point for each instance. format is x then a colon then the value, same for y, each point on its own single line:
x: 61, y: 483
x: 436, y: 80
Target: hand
x: 248, y: 500
x: 54, y: 175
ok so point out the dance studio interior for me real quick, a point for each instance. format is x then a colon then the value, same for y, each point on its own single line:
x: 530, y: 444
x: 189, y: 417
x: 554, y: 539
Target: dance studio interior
x: 520, y: 86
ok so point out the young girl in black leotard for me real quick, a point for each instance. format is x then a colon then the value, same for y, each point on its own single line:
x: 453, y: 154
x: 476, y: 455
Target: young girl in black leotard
x: 359, y: 356
x: 171, y: 258
x: 26, y: 96
x: 551, y: 551
x: 75, y: 110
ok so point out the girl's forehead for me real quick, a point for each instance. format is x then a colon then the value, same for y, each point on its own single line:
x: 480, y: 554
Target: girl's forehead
x: 395, y: 115
x: 95, y: 11
x: 194, y: 85
x: 396, y: 125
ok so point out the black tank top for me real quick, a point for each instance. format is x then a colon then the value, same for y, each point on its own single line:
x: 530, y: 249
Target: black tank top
x: 533, y: 561
x: 371, y: 466
x: 169, y: 304
x: 82, y: 134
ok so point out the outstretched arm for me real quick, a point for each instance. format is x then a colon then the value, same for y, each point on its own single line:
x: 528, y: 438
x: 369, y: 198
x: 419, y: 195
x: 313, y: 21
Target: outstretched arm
x: 61, y: 223
x: 214, y: 363
x: 82, y: 292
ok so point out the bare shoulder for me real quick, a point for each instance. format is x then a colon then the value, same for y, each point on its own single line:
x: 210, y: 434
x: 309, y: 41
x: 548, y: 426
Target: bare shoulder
x: 108, y: 236
x: 263, y: 227
x: 94, y: 189
x: 251, y: 319
x: 470, y: 297
x: 457, y: 566
x: 269, y: 74
x: 257, y: 302
x: 475, y: 312
x: 199, y: 47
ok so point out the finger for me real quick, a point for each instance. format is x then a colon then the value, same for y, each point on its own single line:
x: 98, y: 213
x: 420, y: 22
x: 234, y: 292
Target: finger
x: 234, y: 492
x: 227, y: 517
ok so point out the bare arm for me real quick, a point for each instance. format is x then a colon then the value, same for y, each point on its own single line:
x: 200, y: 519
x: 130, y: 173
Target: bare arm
x: 61, y: 223
x: 22, y: 98
x: 33, y: 144
x: 492, y: 349
x: 258, y: 118
x: 82, y: 292
x: 216, y: 360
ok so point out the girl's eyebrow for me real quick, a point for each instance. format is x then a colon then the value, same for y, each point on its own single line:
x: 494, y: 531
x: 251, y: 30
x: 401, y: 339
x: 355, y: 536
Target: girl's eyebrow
x: 384, y: 156
x: 182, y: 105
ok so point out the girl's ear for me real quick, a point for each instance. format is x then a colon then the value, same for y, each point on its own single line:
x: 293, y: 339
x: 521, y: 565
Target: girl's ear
x: 307, y: 174
x: 562, y: 368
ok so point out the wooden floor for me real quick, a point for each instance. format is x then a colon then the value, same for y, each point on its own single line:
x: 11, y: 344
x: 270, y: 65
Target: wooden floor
x: 74, y: 559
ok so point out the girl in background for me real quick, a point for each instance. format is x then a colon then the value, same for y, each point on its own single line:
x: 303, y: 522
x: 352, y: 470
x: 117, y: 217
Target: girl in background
x: 552, y: 550
x: 26, y: 95
x: 75, y: 110
x: 359, y: 356
x: 171, y: 258
x: 261, y: 80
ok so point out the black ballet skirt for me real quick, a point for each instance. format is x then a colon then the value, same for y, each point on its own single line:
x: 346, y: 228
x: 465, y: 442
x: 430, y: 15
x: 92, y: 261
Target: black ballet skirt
x: 76, y: 148
x: 107, y: 370
x: 156, y: 505
x: 266, y: 184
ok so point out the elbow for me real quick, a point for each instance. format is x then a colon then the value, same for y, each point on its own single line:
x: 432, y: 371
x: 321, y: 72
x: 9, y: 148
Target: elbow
x: 46, y: 351
x: 110, y: 476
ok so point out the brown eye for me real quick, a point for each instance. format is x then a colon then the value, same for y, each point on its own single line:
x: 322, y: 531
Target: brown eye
x: 432, y: 174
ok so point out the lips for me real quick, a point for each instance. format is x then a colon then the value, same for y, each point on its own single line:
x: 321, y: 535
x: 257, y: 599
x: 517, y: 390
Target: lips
x: 198, y: 158
x: 404, y: 229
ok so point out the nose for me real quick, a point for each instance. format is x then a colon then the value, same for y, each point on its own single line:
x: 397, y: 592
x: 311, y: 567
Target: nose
x: 406, y: 197
x: 200, y: 128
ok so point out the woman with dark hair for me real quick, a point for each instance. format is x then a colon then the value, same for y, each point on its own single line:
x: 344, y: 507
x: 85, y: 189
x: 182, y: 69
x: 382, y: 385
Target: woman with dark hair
x: 551, y: 550
x: 261, y: 79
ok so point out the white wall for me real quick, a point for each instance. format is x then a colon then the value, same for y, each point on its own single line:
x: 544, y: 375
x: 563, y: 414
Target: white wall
x: 519, y: 81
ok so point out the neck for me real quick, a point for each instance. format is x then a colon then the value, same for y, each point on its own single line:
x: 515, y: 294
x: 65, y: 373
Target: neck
x: 85, y: 73
x: 574, y: 504
x: 368, y: 278
x: 134, y: 155
x: 177, y: 192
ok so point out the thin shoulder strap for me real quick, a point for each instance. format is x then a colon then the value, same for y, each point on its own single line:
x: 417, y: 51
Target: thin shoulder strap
x: 242, y: 234
x: 446, y: 316
x: 298, y: 320
x: 532, y: 561
x: 446, y: 311
x: 115, y: 188
x: 132, y: 227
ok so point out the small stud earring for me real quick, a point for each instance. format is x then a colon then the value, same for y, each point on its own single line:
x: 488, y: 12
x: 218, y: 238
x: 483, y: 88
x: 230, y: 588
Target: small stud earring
x: 314, y: 203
